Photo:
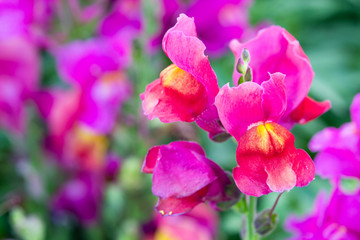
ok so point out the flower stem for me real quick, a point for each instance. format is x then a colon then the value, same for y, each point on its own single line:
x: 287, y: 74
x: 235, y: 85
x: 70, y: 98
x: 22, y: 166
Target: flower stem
x: 250, y: 234
x: 274, y: 206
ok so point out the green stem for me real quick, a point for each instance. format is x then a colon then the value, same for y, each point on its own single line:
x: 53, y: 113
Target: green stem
x: 250, y: 234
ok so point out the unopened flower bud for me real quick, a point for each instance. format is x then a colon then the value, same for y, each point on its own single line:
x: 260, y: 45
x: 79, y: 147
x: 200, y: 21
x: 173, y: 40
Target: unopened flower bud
x: 232, y: 195
x: 264, y: 223
x: 245, y: 55
x: 240, y: 67
x: 248, y: 75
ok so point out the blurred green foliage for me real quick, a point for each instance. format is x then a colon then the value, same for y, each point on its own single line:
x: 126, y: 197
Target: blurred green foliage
x: 329, y: 32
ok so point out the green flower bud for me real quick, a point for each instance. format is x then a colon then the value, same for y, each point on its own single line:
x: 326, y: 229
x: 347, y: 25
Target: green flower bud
x: 240, y: 67
x: 248, y: 75
x: 232, y: 193
x: 245, y: 55
x: 264, y: 223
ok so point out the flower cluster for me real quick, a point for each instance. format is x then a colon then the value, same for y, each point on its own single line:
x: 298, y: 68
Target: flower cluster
x: 80, y: 158
x: 258, y: 113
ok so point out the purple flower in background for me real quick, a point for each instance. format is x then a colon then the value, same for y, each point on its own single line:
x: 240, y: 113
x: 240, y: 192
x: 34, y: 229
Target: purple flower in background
x: 26, y: 19
x: 339, y: 148
x: 336, y: 219
x: 84, y: 61
x: 125, y: 18
x: 201, y: 224
x: 95, y: 70
x: 183, y: 177
x: 112, y: 167
x: 19, y: 78
x: 217, y: 22
x: 80, y: 196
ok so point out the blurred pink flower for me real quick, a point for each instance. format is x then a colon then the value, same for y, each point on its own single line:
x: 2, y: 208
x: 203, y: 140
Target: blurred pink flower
x: 75, y: 143
x: 80, y: 196
x: 339, y: 148
x: 112, y: 166
x: 336, y: 219
x: 28, y: 19
x: 96, y: 69
x: 201, y: 224
x: 186, y: 87
x: 83, y: 62
x: 276, y: 50
x: 19, y: 78
x: 266, y: 155
x: 221, y: 22
x: 183, y: 177
x: 125, y: 18
x: 98, y: 86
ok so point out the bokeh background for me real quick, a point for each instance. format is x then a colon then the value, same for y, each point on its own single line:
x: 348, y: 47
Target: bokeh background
x: 30, y: 179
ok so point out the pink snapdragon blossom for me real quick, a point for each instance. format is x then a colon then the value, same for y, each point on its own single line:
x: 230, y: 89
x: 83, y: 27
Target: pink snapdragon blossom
x: 183, y: 177
x: 339, y: 148
x: 201, y: 224
x: 333, y: 219
x: 221, y: 22
x: 186, y: 87
x: 276, y: 50
x: 267, y: 158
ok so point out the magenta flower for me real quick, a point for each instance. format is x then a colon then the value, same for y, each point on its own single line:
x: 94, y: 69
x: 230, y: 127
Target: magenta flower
x: 335, y: 219
x: 85, y: 61
x: 125, y: 18
x: 276, y: 50
x: 183, y: 177
x: 267, y: 158
x: 78, y: 137
x: 97, y: 68
x: 186, y: 87
x: 221, y: 22
x: 19, y: 78
x: 112, y: 167
x: 80, y: 196
x: 201, y: 224
x: 339, y: 149
x: 28, y: 20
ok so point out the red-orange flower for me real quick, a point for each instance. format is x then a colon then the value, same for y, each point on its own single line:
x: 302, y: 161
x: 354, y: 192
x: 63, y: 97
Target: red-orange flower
x: 267, y: 158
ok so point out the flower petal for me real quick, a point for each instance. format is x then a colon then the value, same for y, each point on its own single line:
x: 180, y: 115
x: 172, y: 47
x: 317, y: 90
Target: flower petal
x: 170, y: 106
x: 355, y: 110
x: 174, y: 206
x: 303, y: 167
x: 239, y: 107
x: 186, y: 51
x: 250, y: 176
x: 276, y: 50
x: 180, y: 173
x: 308, y: 110
x: 274, y: 97
x: 209, y: 121
x: 151, y: 159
